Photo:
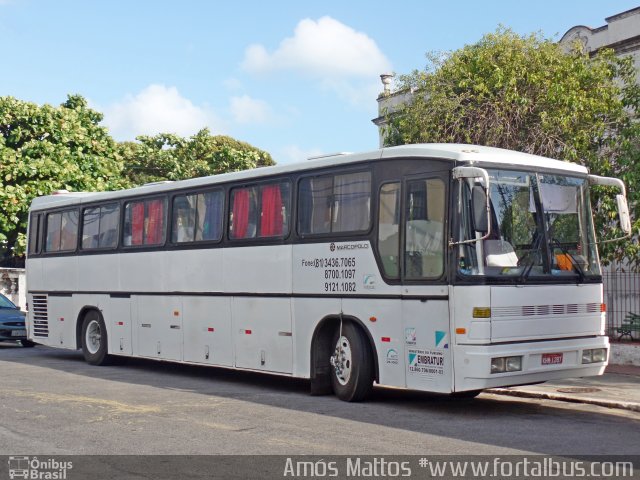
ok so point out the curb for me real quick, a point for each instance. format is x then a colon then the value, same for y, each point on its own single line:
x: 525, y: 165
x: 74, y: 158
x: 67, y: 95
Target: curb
x: 631, y: 406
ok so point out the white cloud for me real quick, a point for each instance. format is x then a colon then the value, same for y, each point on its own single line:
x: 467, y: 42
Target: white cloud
x: 324, y: 49
x: 293, y: 153
x: 158, y: 109
x: 247, y: 110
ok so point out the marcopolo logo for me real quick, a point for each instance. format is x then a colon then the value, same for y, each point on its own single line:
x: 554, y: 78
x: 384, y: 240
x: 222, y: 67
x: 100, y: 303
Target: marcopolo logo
x: 37, y: 469
x: 349, y: 246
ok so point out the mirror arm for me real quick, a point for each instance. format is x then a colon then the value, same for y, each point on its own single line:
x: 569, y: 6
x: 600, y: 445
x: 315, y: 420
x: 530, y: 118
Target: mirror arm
x: 613, y: 182
x: 474, y: 172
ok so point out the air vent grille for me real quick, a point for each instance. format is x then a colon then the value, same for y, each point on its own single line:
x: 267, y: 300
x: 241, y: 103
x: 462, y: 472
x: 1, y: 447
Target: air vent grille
x: 39, y: 305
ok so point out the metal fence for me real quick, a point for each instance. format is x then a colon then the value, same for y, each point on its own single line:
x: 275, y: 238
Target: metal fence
x: 622, y: 295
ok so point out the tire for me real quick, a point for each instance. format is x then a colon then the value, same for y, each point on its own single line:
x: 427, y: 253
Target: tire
x: 351, y: 364
x: 27, y: 343
x: 94, y: 339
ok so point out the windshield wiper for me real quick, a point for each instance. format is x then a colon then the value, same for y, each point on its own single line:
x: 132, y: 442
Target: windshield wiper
x: 535, y: 249
x: 573, y: 261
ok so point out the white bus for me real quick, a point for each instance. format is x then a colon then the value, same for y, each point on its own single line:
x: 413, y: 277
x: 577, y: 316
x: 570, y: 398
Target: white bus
x: 444, y: 268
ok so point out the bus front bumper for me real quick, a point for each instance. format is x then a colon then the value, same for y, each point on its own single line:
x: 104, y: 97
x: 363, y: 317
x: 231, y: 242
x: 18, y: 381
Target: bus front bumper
x: 540, y: 362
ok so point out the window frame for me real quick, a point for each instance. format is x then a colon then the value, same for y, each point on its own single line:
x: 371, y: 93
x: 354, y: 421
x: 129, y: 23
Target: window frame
x: 334, y: 173
x: 172, y: 210
x: 118, y: 226
x: 123, y: 218
x: 45, y: 227
x: 260, y: 239
x: 435, y: 175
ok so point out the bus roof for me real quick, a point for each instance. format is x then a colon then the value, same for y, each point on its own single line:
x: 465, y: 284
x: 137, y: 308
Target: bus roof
x: 446, y: 151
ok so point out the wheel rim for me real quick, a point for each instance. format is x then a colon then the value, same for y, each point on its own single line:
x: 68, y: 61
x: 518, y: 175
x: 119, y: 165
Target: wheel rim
x: 342, y: 360
x: 93, y: 336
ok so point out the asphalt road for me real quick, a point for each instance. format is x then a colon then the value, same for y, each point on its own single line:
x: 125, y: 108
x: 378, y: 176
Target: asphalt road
x: 52, y: 402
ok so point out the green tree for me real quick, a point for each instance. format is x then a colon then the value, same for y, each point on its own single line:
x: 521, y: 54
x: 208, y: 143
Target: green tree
x: 46, y: 148
x: 170, y: 157
x: 525, y: 93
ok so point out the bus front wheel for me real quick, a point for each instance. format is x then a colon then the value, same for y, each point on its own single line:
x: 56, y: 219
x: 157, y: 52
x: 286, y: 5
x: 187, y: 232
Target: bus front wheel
x: 94, y: 339
x: 351, y: 364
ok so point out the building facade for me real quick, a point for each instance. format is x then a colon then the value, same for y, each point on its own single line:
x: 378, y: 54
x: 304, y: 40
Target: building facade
x: 621, y: 33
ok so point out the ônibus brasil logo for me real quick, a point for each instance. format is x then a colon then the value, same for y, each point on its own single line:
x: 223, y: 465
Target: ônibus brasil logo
x: 33, y: 468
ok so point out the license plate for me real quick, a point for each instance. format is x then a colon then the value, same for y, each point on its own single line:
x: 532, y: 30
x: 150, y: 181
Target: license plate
x: 551, y: 358
x: 18, y: 333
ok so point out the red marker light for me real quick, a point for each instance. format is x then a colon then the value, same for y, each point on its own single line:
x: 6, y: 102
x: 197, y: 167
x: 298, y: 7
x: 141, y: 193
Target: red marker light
x: 210, y: 329
x: 386, y: 339
x: 120, y: 324
x: 248, y: 332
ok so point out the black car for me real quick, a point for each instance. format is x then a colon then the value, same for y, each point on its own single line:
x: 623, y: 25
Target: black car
x: 12, y: 326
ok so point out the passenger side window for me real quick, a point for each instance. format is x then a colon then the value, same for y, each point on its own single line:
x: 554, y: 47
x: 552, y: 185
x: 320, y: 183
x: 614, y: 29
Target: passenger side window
x: 261, y: 211
x: 198, y: 217
x: 335, y: 203
x: 144, y: 222
x: 35, y: 228
x: 389, y: 229
x: 424, y: 228
x: 62, y: 231
x: 100, y: 227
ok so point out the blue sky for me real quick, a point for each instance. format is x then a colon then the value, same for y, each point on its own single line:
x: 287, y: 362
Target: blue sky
x: 295, y: 78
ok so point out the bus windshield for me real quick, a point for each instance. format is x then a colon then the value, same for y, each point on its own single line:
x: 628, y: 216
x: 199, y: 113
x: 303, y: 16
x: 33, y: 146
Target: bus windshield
x: 540, y: 228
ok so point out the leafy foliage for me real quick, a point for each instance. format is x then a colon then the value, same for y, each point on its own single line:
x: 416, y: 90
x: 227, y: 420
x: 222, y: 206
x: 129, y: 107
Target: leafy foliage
x: 170, y: 157
x: 45, y: 148
x: 525, y: 93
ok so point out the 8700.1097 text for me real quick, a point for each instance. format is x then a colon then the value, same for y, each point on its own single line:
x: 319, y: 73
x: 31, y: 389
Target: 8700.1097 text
x: 340, y: 286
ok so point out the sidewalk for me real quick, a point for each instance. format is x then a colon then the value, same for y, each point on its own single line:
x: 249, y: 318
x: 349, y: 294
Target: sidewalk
x: 619, y: 387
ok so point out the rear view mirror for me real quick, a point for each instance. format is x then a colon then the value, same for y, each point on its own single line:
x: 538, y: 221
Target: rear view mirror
x: 623, y: 211
x: 479, y: 209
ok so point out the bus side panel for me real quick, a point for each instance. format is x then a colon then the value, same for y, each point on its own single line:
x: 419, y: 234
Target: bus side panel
x: 159, y: 326
x: 307, y: 314
x: 207, y: 330
x: 383, y: 319
x: 98, y: 273
x: 143, y: 271
x: 60, y: 274
x: 196, y: 271
x: 262, y: 333
x: 427, y: 345
x: 34, y: 274
x: 265, y: 269
x: 117, y: 318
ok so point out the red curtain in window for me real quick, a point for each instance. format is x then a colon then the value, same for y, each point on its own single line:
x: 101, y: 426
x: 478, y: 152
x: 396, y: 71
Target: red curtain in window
x: 154, y: 225
x: 137, y: 223
x: 271, y: 217
x: 240, y: 213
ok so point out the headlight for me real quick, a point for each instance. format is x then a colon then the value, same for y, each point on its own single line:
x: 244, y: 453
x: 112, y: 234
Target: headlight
x: 506, y: 364
x: 514, y: 364
x: 595, y: 355
x: 497, y: 365
x: 600, y: 355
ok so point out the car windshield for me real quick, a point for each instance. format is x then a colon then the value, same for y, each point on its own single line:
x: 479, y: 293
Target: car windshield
x: 541, y: 227
x: 5, y: 302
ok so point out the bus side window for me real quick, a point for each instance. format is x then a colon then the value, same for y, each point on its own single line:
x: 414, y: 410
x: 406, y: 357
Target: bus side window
x: 242, y: 223
x: 197, y: 217
x: 35, y: 229
x: 424, y: 228
x: 388, y: 229
x: 62, y: 231
x: 144, y: 222
x: 332, y: 204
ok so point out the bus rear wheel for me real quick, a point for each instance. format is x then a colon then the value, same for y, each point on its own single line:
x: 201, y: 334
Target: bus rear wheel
x: 94, y: 339
x: 351, y: 364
